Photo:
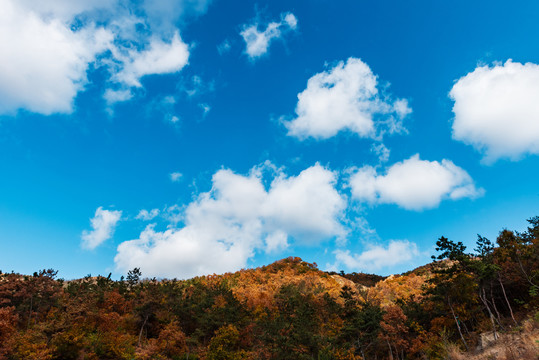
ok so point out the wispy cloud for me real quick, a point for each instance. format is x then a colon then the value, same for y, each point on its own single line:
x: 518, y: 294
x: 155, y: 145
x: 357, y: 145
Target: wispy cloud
x: 224, y: 47
x: 103, y: 225
x: 147, y: 215
x: 175, y: 176
x: 257, y: 42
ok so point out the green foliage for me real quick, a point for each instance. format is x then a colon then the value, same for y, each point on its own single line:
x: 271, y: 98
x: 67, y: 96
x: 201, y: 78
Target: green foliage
x: 293, y: 329
x: 450, y: 250
x: 361, y: 323
x: 133, y: 277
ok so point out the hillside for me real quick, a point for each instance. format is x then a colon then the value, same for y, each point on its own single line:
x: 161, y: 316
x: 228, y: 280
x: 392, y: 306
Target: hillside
x: 484, y: 303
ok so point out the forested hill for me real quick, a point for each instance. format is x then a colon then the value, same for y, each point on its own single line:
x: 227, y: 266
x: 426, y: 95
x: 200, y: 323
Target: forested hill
x: 484, y: 302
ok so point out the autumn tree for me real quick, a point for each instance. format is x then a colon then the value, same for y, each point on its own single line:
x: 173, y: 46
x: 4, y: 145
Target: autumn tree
x: 452, y: 288
x: 8, y: 327
x: 394, y: 332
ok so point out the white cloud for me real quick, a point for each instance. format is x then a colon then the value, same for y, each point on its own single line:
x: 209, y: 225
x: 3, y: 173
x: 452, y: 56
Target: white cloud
x: 65, y: 10
x: 43, y: 63
x: 47, y: 48
x: 165, y: 106
x: 257, y: 42
x: 198, y: 86
x: 290, y: 20
x: 147, y: 215
x: 163, y: 14
x: 307, y: 205
x: 223, y: 228
x: 276, y: 242
x: 346, y: 97
x: 377, y: 257
x: 175, y: 176
x: 113, y: 96
x: 497, y: 110
x: 173, y: 214
x: 159, y: 58
x: 413, y: 184
x: 205, y: 109
x: 103, y: 226
x: 381, y: 151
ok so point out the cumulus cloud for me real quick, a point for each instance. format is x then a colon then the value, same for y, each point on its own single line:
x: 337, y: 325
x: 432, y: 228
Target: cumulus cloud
x: 497, y: 110
x: 413, y: 184
x: 346, y: 98
x: 276, y: 242
x: 147, y: 215
x: 257, y: 42
x: 377, y: 257
x: 47, y: 48
x: 103, y: 225
x: 65, y: 10
x: 43, y: 63
x: 224, y: 227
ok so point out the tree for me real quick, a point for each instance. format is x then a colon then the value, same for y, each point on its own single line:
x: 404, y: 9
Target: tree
x: 452, y: 285
x: 133, y: 277
x: 292, y: 329
x: 225, y: 345
x: 8, y: 326
x: 361, y: 323
x: 394, y: 331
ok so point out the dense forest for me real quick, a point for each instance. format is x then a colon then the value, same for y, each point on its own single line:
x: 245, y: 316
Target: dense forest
x: 479, y: 304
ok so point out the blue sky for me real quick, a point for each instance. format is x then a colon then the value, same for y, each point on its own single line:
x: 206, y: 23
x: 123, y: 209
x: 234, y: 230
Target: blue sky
x: 193, y: 137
